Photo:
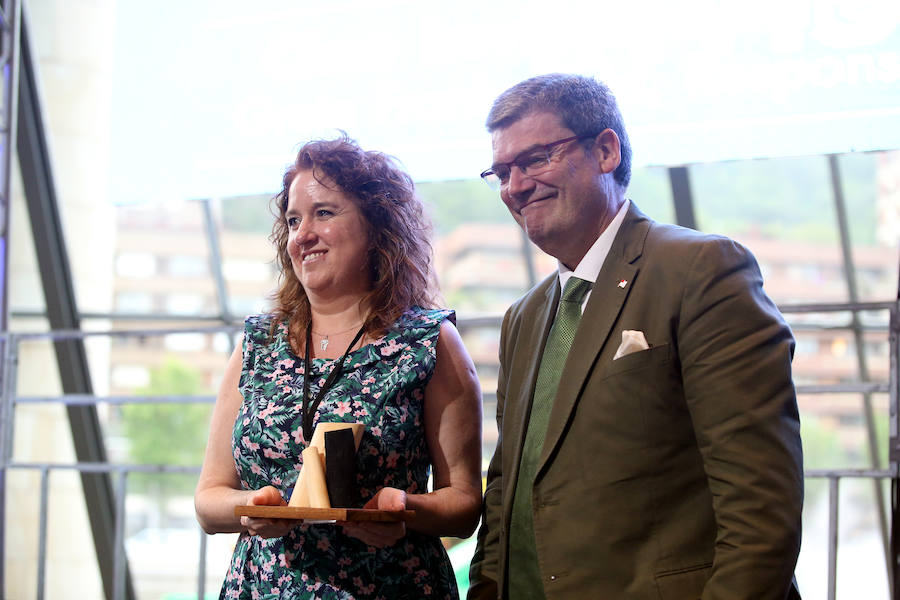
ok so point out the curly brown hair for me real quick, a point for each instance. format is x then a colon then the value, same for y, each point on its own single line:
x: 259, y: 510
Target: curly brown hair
x: 399, y: 232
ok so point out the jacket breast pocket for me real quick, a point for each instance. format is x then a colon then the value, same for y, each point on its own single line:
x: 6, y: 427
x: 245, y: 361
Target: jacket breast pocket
x: 636, y: 396
x: 642, y: 359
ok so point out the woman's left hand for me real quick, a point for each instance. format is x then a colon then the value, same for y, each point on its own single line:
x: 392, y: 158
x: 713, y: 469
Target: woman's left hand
x: 380, y: 535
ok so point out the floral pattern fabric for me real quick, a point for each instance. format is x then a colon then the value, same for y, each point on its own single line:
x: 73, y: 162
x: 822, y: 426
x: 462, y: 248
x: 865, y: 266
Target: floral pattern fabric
x: 383, y: 386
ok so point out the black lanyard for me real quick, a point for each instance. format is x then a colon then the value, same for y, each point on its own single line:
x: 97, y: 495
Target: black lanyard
x: 308, y: 412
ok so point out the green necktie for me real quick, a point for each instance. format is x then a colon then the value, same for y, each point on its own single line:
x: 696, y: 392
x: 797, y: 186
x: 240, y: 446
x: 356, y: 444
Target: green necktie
x: 524, y: 575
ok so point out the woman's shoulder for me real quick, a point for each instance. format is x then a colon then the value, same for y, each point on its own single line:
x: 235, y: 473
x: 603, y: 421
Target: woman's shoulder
x: 259, y: 327
x: 415, y: 329
x: 418, y: 317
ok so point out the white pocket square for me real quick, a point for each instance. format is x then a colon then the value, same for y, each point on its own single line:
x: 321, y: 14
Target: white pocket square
x: 632, y: 341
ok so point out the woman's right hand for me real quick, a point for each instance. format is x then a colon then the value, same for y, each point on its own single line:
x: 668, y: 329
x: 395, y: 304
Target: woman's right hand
x: 218, y: 489
x: 267, y: 528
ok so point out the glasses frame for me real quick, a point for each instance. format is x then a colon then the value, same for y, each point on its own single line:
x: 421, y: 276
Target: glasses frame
x: 490, y: 176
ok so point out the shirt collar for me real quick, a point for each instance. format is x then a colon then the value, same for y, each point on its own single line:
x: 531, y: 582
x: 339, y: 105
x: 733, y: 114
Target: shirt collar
x: 593, y: 260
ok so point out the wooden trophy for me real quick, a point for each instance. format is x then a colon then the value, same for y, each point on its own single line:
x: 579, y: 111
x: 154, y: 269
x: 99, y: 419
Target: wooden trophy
x: 311, y: 489
x: 326, y: 489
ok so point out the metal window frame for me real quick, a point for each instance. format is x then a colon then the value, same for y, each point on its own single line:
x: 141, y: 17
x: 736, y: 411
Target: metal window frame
x: 9, y: 63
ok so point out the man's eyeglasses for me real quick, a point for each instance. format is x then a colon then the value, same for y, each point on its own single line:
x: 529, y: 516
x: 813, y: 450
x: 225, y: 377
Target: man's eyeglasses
x: 532, y: 162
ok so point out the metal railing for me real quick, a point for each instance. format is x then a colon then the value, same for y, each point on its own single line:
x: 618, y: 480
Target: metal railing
x: 11, y: 345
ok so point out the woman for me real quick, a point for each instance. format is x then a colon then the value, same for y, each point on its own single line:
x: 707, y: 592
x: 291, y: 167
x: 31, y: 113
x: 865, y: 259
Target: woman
x: 353, y: 296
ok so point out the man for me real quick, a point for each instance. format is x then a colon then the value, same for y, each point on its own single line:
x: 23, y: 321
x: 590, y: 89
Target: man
x: 649, y: 436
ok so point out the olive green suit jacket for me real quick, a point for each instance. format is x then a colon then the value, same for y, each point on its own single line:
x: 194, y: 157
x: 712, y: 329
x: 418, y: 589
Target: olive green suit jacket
x: 673, y: 472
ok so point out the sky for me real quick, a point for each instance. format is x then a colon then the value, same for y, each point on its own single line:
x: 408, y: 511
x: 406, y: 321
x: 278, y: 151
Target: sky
x: 213, y: 97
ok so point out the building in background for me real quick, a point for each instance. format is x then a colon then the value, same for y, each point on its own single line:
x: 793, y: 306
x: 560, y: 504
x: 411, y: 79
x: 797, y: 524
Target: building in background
x: 162, y: 267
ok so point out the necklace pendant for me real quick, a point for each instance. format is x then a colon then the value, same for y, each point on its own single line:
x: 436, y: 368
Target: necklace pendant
x: 324, y: 343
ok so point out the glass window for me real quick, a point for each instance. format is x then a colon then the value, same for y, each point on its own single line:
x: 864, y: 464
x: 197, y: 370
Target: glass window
x: 185, y: 342
x: 188, y: 266
x: 242, y: 306
x: 130, y: 376
x: 136, y: 264
x: 222, y: 343
x: 782, y: 209
x: 651, y: 191
x: 134, y: 302
x: 242, y: 269
x: 186, y: 303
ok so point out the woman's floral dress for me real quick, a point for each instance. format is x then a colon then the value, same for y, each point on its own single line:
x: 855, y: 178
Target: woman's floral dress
x: 383, y: 386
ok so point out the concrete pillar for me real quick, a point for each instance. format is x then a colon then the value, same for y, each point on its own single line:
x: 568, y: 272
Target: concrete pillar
x: 74, y: 43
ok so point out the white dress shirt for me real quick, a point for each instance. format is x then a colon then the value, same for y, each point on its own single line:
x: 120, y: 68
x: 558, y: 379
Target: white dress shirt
x: 590, y: 265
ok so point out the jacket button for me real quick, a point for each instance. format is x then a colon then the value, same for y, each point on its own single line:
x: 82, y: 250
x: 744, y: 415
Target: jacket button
x: 553, y: 578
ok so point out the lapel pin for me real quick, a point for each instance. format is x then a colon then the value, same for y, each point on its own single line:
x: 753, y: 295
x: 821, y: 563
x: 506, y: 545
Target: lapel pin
x: 623, y: 283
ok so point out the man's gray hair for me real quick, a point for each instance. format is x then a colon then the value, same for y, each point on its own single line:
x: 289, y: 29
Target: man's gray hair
x: 585, y: 105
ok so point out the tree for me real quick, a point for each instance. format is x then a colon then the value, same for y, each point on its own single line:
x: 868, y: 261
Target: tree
x: 167, y: 434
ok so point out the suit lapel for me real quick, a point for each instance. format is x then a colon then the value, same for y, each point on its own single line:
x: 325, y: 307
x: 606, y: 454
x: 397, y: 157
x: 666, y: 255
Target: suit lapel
x: 530, y: 340
x: 608, y: 296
